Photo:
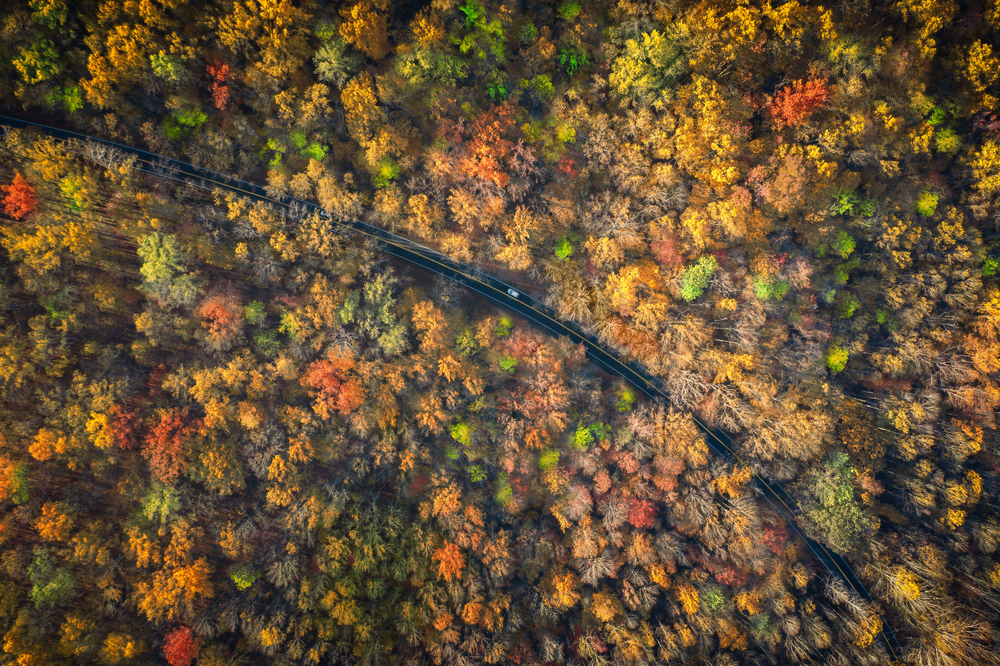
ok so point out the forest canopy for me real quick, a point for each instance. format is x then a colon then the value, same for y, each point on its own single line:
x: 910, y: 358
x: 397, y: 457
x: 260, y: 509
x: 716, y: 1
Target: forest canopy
x: 236, y: 433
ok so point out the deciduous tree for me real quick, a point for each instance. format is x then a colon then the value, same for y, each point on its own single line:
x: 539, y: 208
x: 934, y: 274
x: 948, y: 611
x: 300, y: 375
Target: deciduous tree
x: 20, y: 199
x: 167, y: 444
x: 365, y: 28
x: 179, y: 647
x: 794, y: 104
x: 333, y: 386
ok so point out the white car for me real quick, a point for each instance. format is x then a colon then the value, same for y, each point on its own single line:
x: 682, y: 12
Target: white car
x: 513, y: 293
x: 323, y: 213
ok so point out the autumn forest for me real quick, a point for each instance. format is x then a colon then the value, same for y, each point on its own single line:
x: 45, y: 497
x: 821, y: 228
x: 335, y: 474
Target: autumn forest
x: 234, y: 433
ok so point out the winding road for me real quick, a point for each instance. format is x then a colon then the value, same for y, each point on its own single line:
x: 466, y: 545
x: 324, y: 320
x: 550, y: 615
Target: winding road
x: 502, y: 295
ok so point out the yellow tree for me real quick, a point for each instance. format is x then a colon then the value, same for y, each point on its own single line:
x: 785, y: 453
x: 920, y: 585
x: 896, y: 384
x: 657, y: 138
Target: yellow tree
x: 561, y: 590
x: 985, y: 164
x: 118, y: 61
x: 275, y: 29
x: 364, y: 117
x: 173, y: 591
x: 450, y: 561
x: 54, y: 524
x: 365, y: 28
x: 431, y: 326
x: 424, y: 216
x: 929, y: 17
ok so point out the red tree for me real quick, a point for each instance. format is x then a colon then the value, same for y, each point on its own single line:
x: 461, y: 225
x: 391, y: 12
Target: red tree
x: 222, y: 316
x: 20, y: 199
x: 667, y: 249
x: 566, y: 166
x: 774, y: 537
x: 794, y: 104
x: 125, y: 426
x: 179, y: 647
x: 487, y: 155
x: 641, y: 513
x: 987, y: 122
x: 166, y: 444
x: 333, y: 388
x: 218, y: 75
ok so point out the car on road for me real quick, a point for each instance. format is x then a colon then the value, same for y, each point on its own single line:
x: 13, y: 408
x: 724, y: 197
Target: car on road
x: 513, y: 293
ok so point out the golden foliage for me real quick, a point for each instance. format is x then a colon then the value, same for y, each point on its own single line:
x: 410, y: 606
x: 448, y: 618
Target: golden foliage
x: 364, y: 116
x: 659, y: 575
x: 431, y: 326
x: 54, y: 524
x: 985, y: 164
x: 119, y: 648
x: 427, y: 28
x: 341, y: 605
x: 471, y: 612
x: 49, y: 443
x: 748, y: 602
x: 99, y: 429
x: 75, y: 628
x: 365, y: 29
x: 172, y: 592
x: 687, y: 597
x: 605, y: 606
x: 730, y: 636
x: 447, y: 500
x: 145, y: 551
x: 563, y: 591
x: 451, y: 561
x: 733, y: 485
x: 868, y: 629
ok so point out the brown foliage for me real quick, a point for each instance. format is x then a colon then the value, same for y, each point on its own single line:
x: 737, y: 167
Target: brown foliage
x: 125, y: 427
x: 546, y: 399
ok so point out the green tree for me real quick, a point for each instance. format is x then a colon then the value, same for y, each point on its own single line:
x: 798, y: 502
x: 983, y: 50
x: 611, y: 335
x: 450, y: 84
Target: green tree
x: 548, y: 460
x: 335, y: 63
x: 244, y: 576
x: 162, y: 270
x: 836, y: 359
x: 38, y: 62
x: 832, y: 514
x: 254, y: 313
x: 461, y: 432
x: 563, y: 249
x: 625, y: 398
x: 50, y: 13
x: 160, y: 502
x: 568, y: 9
x: 267, y: 343
x: 695, y: 279
x: 583, y: 438
x: 166, y: 66
x: 51, y: 584
x: 927, y: 203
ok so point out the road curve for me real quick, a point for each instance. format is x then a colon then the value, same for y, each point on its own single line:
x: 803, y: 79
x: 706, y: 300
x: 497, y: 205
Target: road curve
x: 502, y: 295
